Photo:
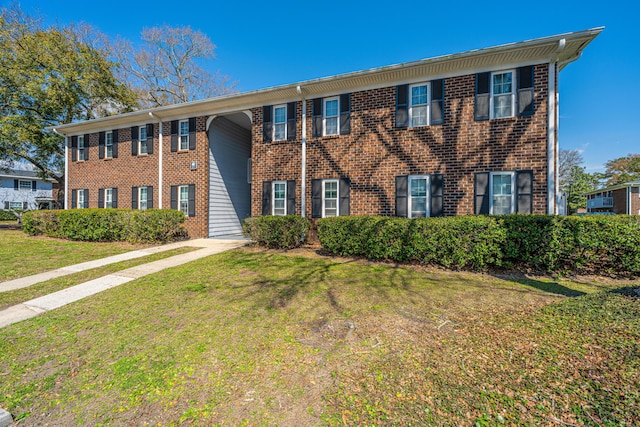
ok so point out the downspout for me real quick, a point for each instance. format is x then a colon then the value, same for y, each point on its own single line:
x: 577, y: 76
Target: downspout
x: 66, y: 167
x: 303, y: 186
x: 159, y: 158
x: 629, y: 200
x: 552, y: 141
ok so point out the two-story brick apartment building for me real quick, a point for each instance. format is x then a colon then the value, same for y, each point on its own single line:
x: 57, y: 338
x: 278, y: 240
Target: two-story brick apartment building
x: 469, y: 133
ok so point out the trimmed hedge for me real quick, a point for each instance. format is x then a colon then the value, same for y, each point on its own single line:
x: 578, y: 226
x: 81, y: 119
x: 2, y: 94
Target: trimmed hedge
x: 602, y: 245
x: 277, y: 232
x: 98, y: 225
x: 7, y: 216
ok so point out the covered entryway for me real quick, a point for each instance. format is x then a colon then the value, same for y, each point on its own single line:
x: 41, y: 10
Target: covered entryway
x: 229, y: 173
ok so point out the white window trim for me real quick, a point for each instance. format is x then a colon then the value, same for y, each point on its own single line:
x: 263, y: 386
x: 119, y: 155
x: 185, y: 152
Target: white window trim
x: 273, y: 136
x: 273, y: 197
x: 180, y: 135
x: 140, y: 140
x: 20, y: 181
x: 513, y: 190
x: 513, y: 93
x: 80, y: 197
x: 81, y: 148
x: 146, y: 199
x: 180, y: 187
x: 108, y: 194
x: 107, y: 145
x: 324, y: 116
x: 428, y: 195
x: 428, y: 104
x: 324, y: 182
x: 19, y: 208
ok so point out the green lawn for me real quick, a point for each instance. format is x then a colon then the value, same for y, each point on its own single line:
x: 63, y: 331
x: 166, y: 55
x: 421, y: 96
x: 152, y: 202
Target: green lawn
x: 260, y: 338
x: 22, y: 255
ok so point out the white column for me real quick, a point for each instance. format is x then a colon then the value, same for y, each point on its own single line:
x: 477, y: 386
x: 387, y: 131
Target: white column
x: 551, y: 141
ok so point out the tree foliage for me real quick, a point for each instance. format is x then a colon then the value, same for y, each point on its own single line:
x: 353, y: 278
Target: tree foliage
x: 166, y: 68
x: 577, y: 185
x: 623, y: 169
x: 50, y: 76
x: 567, y: 160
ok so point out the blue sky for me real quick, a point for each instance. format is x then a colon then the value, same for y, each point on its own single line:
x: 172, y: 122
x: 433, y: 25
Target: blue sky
x: 264, y: 44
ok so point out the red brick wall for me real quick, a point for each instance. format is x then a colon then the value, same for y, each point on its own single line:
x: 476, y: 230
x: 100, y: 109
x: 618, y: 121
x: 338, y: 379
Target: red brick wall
x: 620, y: 201
x: 127, y: 171
x: 635, y: 200
x: 375, y: 152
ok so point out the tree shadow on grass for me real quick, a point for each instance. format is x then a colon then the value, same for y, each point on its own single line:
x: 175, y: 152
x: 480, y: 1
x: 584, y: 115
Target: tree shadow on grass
x: 550, y: 287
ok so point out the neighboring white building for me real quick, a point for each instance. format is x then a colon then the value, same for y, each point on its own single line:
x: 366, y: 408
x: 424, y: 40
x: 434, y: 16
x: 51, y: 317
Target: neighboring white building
x: 24, y: 190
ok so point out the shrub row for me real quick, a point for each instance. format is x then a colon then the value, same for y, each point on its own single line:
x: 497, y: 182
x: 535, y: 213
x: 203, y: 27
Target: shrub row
x: 277, y: 232
x: 7, y: 216
x: 146, y: 226
x: 602, y: 245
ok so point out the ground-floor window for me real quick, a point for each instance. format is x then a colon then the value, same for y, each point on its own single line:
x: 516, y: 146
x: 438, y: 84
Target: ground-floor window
x: 501, y: 199
x: 330, y: 198
x: 279, y: 193
x: 418, y: 196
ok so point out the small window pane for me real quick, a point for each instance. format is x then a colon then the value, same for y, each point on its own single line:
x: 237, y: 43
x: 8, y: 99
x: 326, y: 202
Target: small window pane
x: 331, y: 108
x: 280, y: 130
x: 418, y: 95
x: 419, y: 116
x: 418, y: 207
x: 502, y: 106
x: 143, y: 133
x: 280, y: 114
x: 332, y: 126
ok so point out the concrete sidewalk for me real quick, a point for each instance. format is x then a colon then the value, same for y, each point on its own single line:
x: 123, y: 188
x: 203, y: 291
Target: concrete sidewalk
x: 36, y: 306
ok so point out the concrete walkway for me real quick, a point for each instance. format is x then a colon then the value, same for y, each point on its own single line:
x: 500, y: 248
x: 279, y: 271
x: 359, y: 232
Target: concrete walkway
x: 36, y: 306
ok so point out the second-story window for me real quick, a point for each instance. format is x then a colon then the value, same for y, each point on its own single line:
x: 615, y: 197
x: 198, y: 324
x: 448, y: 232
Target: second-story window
x: 81, y: 147
x: 419, y: 104
x: 502, y: 94
x: 280, y: 123
x: 184, y: 134
x: 142, y: 141
x: 109, y: 145
x: 331, y: 115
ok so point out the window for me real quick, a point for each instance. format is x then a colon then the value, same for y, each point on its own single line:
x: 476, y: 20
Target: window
x: 329, y: 198
x: 24, y: 185
x: 183, y: 200
x: 280, y: 123
x: 331, y: 115
x: 15, y: 206
x: 109, y: 144
x: 418, y: 196
x: 108, y: 197
x: 502, y: 95
x: 184, y: 135
x: 501, y: 198
x: 81, y: 196
x: 419, y: 104
x: 142, y: 198
x: 279, y: 192
x: 142, y: 141
x: 81, y: 147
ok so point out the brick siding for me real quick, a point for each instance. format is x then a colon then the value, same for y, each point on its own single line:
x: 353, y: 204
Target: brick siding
x: 375, y: 152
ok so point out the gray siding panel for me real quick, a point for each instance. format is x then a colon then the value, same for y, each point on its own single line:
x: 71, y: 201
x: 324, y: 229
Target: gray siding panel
x: 229, y: 192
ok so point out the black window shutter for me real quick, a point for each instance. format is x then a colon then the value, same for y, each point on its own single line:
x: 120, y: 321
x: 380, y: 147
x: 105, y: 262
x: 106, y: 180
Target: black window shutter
x: 174, y: 137
x: 266, y: 198
x: 402, y: 106
x: 192, y: 135
x: 74, y: 148
x: 267, y: 123
x: 525, y: 91
x: 6, y: 206
x: 86, y: 146
x: 114, y: 138
x: 101, y: 145
x: 316, y: 114
x: 86, y: 198
x: 402, y: 184
x: 15, y: 184
x: 291, y: 121
x: 345, y: 114
x: 74, y: 199
x: 192, y: 200
x: 482, y: 96
x: 150, y: 138
x: 174, y: 197
x: 524, y: 191
x: 316, y: 198
x: 101, y: 197
x: 114, y: 197
x: 437, y: 102
x: 345, y: 197
x: 481, y: 193
x: 291, y: 197
x: 437, y: 193
x: 134, y: 140
x: 33, y: 185
x: 25, y: 206
x: 150, y: 197
x: 134, y: 197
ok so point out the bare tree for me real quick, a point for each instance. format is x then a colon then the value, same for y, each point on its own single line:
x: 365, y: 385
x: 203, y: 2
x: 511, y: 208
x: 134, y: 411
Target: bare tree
x: 167, y: 68
x: 567, y: 161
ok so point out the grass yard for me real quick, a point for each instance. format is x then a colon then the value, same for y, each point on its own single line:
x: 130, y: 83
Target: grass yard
x: 22, y: 255
x: 260, y: 338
